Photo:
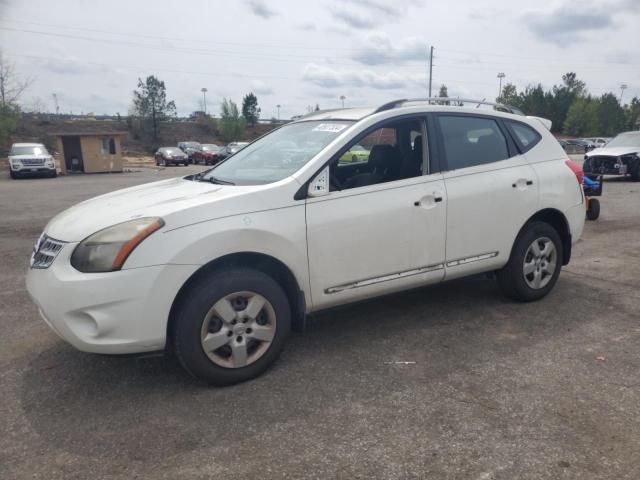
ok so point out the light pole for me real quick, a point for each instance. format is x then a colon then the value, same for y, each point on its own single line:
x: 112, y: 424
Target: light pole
x: 342, y: 98
x: 501, y: 75
x: 278, y: 107
x: 204, y: 98
x: 623, y: 87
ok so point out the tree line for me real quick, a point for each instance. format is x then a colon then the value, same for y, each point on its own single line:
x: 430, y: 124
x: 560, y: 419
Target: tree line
x: 150, y: 108
x: 573, y: 110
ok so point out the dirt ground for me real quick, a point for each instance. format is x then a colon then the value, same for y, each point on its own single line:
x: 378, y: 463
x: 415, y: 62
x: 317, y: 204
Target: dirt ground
x: 498, y: 390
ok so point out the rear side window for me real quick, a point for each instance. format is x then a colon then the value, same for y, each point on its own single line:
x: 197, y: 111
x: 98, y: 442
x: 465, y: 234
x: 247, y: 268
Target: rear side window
x: 525, y: 136
x: 470, y: 141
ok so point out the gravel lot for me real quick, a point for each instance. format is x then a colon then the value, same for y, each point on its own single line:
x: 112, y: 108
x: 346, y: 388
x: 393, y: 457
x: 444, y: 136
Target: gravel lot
x: 499, y: 390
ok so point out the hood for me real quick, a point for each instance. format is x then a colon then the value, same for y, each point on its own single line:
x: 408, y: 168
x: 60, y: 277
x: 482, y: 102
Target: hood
x: 613, y: 151
x: 30, y: 157
x: 157, y: 199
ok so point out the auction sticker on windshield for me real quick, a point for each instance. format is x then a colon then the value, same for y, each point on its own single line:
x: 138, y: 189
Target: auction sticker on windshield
x: 330, y: 127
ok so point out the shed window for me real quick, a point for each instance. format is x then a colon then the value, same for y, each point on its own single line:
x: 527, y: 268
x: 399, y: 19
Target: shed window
x: 108, y: 146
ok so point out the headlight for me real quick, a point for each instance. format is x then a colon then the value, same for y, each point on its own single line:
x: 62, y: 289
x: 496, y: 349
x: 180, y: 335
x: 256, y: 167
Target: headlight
x: 107, y: 250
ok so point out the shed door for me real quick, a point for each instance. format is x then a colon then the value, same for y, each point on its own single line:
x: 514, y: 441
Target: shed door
x: 72, y: 154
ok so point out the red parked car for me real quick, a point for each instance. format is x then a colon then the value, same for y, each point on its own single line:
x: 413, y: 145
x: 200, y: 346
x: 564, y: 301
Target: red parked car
x: 209, y: 155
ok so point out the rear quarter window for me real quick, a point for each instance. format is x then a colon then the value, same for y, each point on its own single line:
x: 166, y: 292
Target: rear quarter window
x: 525, y: 137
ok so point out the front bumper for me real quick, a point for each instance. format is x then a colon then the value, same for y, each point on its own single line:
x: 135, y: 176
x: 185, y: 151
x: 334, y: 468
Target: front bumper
x: 113, y: 313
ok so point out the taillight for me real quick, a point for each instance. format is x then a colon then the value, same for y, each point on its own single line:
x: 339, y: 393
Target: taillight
x: 576, y: 169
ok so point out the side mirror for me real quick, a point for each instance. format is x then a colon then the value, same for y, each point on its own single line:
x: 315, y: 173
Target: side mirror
x: 319, y: 186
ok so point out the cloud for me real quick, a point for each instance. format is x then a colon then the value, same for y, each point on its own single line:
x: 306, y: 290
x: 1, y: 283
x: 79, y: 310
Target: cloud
x: 260, y: 8
x: 329, y: 78
x: 567, y: 24
x: 307, y: 27
x: 364, y: 14
x: 378, y: 48
x: 395, y: 9
x: 70, y: 67
x: 352, y: 19
x: 261, y: 88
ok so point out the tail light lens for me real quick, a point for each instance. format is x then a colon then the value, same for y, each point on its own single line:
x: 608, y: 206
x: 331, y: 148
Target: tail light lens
x: 576, y: 169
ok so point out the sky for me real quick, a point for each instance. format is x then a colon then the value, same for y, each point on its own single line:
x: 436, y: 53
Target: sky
x: 90, y: 53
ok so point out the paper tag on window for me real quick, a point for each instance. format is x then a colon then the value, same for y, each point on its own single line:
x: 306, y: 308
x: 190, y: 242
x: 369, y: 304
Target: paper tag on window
x: 330, y: 127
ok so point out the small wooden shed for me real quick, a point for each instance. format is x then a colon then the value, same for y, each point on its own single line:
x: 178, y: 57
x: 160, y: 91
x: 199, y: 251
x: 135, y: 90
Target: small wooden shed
x: 89, y: 148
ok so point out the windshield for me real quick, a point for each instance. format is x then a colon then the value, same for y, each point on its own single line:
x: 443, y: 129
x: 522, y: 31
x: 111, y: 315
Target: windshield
x: 631, y: 139
x: 278, y: 154
x: 39, y: 150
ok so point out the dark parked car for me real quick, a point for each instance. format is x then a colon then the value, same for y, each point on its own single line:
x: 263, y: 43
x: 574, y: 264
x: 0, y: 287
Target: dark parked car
x: 189, y: 148
x: 576, y: 145
x: 171, y: 156
x: 209, y: 155
x: 232, y: 148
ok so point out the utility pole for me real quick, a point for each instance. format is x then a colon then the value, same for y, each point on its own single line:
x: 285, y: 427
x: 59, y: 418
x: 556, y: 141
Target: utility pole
x: 55, y: 101
x: 204, y: 98
x: 501, y: 75
x: 430, y: 69
x: 623, y: 87
x: 278, y: 107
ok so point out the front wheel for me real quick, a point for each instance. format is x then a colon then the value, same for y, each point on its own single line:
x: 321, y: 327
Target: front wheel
x: 231, y: 326
x: 534, y: 265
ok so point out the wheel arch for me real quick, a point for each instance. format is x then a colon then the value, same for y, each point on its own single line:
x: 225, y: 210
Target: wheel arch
x: 559, y: 222
x: 267, y: 264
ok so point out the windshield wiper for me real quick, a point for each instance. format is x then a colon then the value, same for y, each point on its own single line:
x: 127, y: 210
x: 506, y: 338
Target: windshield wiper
x: 215, y: 180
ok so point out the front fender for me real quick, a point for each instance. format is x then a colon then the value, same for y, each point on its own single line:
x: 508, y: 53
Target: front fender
x: 279, y: 233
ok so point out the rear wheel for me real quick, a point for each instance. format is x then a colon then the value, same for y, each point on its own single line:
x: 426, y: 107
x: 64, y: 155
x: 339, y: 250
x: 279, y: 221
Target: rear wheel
x: 593, y: 210
x: 231, y: 326
x: 534, y: 265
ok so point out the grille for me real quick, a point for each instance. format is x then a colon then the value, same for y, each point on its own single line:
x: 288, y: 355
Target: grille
x: 33, y: 162
x: 45, y: 251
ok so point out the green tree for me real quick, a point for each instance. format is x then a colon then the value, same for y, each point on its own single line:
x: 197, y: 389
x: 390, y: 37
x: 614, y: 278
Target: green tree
x: 509, y: 96
x: 610, y: 116
x: 151, y: 106
x: 443, y: 93
x: 231, y: 124
x: 632, y: 114
x: 250, y: 109
x: 9, y: 116
x: 581, y: 118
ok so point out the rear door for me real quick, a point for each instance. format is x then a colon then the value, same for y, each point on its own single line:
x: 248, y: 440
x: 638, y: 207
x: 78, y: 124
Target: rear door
x: 491, y: 189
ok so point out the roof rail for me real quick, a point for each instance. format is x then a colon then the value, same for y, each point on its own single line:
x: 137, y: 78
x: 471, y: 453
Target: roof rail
x: 497, y: 106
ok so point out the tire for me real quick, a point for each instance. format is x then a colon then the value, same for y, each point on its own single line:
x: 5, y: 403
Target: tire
x: 635, y: 172
x: 54, y: 174
x: 197, y: 319
x: 593, y: 212
x: 512, y: 278
x: 13, y: 175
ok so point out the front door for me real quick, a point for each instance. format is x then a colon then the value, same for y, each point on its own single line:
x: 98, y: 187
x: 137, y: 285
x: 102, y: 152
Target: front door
x: 382, y: 228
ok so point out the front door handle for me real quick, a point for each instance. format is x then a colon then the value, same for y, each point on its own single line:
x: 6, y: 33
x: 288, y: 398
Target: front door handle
x: 522, y: 182
x: 429, y: 201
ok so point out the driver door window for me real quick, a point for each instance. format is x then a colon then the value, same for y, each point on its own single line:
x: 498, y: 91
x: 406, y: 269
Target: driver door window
x: 391, y: 152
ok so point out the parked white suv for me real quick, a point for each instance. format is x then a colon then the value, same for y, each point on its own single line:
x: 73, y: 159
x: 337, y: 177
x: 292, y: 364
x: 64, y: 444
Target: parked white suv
x: 219, y: 266
x: 30, y: 159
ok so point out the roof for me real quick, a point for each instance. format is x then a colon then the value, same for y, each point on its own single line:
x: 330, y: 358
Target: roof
x: 88, y: 128
x: 27, y: 145
x: 427, y: 104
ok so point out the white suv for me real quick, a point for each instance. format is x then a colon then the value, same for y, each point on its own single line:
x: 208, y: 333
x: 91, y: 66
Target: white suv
x: 221, y: 265
x: 30, y: 159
